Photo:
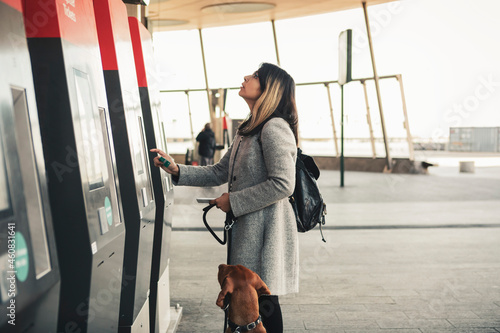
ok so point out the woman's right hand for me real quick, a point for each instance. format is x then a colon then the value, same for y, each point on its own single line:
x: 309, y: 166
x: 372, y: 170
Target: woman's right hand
x: 172, y: 168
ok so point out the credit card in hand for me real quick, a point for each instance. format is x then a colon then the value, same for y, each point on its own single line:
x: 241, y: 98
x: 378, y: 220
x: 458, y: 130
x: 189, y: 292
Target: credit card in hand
x: 164, y: 161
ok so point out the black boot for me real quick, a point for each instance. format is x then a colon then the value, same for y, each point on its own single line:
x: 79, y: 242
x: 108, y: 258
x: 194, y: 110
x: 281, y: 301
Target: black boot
x: 270, y: 310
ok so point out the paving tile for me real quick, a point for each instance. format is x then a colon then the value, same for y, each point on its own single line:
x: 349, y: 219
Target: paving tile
x: 380, y: 330
x: 361, y: 300
x: 304, y: 300
x: 355, y: 315
x: 413, y: 323
x: 354, y: 324
x: 441, y: 315
x: 313, y: 308
x: 458, y: 330
x: 329, y: 330
x: 291, y: 321
x: 291, y: 308
x: 475, y: 322
x: 200, y: 323
x: 401, y: 292
x: 487, y: 314
x: 465, y: 306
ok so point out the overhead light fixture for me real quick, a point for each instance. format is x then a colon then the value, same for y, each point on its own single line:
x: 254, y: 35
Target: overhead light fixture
x: 167, y: 22
x: 237, y: 7
x: 137, y: 2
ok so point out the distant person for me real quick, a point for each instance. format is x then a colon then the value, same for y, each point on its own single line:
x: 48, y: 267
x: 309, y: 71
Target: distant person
x: 206, y: 149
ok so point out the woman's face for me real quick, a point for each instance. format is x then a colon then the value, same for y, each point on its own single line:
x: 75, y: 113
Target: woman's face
x: 250, y: 88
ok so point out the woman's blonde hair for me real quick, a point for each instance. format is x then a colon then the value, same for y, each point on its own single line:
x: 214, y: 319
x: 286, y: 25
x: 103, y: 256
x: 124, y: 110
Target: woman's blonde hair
x: 277, y: 99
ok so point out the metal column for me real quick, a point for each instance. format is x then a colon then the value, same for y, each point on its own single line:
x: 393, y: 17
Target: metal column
x: 333, y: 122
x: 377, y: 87
x: 399, y: 77
x: 369, y: 119
x: 190, y: 119
x: 209, y: 93
x: 276, y: 43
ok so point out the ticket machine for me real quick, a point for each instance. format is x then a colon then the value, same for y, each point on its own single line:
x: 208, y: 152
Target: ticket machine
x: 79, y: 161
x: 134, y: 172
x: 162, y: 182
x: 29, y: 271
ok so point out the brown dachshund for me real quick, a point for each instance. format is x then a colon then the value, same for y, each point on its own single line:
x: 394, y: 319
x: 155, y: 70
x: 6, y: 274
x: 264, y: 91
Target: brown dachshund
x: 245, y: 287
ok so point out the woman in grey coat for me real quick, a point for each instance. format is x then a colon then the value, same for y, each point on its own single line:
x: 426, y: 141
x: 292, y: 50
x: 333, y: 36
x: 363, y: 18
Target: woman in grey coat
x: 259, y: 168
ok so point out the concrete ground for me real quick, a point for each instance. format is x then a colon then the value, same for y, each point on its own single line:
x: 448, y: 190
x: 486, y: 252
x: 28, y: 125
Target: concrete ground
x: 404, y: 253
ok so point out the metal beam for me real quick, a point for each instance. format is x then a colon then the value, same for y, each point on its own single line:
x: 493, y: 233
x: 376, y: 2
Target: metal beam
x: 209, y: 93
x: 377, y: 88
x: 407, y: 123
x: 190, y: 119
x: 333, y: 122
x: 369, y: 120
x: 296, y: 84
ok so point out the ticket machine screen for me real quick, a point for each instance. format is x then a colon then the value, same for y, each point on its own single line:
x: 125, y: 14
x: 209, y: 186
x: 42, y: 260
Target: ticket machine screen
x: 91, y: 136
x: 4, y: 187
x: 32, y: 193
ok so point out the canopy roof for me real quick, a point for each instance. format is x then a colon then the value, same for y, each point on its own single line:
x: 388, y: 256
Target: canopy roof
x: 194, y: 14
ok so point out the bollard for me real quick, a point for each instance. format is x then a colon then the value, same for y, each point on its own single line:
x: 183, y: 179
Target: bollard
x: 467, y: 166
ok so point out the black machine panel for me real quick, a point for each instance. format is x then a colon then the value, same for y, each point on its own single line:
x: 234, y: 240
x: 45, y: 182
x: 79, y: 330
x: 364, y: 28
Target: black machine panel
x: 80, y: 162
x: 29, y: 270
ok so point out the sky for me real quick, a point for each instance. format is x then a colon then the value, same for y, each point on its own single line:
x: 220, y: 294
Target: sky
x: 447, y: 52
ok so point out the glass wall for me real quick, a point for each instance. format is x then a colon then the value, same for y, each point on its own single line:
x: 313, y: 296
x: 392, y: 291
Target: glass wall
x: 236, y: 51
x: 175, y: 113
x: 178, y: 60
x: 308, y: 49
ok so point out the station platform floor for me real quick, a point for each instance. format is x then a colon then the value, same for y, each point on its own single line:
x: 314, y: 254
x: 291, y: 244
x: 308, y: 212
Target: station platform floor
x: 404, y: 253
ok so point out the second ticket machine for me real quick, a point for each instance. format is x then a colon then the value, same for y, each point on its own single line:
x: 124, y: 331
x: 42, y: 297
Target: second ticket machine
x: 79, y: 160
x: 162, y: 182
x: 134, y: 172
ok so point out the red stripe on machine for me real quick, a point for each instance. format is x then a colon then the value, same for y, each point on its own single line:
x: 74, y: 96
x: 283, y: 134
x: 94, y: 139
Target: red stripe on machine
x: 140, y: 68
x: 16, y: 4
x: 40, y: 19
x: 72, y: 20
x: 105, y: 34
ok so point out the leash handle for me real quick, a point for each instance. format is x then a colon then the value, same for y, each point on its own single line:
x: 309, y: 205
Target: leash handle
x: 205, y: 211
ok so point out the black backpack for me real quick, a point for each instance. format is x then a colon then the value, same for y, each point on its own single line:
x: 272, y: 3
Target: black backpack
x: 306, y: 200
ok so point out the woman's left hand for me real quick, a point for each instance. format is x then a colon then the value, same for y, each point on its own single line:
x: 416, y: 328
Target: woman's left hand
x: 222, y: 202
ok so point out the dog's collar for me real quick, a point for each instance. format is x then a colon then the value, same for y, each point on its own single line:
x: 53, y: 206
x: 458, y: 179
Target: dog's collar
x: 244, y: 328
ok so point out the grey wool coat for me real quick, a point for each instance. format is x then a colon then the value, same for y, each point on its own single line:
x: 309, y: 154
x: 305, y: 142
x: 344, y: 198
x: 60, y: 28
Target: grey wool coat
x: 261, y: 177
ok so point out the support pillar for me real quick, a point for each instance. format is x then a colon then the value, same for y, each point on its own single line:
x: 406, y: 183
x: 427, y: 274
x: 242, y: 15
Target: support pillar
x: 369, y: 119
x: 399, y: 77
x: 377, y: 87
x: 190, y: 119
x: 333, y: 122
x: 275, y: 43
x: 211, y: 106
x: 209, y: 93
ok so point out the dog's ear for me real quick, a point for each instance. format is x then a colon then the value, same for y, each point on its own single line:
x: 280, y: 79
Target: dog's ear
x: 223, y: 273
x: 227, y: 288
x: 261, y: 287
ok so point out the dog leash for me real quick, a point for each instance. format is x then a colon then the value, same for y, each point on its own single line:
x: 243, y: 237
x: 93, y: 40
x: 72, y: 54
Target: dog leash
x: 228, y: 224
